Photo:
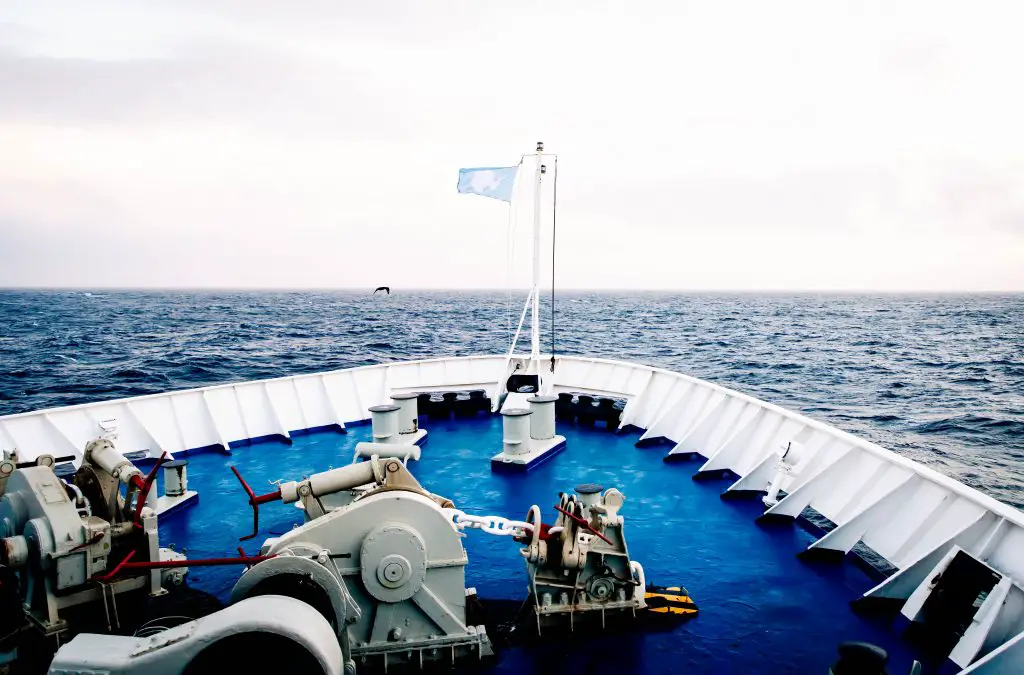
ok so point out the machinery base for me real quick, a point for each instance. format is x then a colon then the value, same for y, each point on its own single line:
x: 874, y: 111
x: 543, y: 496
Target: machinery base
x: 513, y: 623
x: 166, y: 506
x: 538, y: 455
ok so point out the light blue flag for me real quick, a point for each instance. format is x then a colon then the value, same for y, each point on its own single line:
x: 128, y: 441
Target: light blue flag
x: 495, y: 182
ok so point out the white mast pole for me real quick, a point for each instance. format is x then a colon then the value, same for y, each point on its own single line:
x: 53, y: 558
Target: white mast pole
x: 535, y: 318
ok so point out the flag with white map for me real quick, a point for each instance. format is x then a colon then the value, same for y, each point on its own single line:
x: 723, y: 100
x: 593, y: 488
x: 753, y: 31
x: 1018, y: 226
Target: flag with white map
x: 495, y: 182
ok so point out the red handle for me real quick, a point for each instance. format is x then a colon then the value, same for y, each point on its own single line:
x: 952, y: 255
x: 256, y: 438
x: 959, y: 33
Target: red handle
x: 118, y: 568
x: 144, y: 486
x: 584, y: 524
x: 126, y: 564
x: 254, y: 501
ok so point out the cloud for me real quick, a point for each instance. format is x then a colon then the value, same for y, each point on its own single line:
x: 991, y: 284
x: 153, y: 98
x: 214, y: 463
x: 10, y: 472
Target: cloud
x: 763, y: 139
x: 209, y: 85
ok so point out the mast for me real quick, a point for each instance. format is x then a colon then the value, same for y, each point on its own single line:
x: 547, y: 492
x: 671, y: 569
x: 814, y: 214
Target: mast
x: 535, y: 317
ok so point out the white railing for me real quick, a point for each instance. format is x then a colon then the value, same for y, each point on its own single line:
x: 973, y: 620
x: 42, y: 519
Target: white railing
x: 906, y: 512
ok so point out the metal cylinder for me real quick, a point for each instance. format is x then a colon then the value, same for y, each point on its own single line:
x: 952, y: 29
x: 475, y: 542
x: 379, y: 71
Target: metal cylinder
x: 7, y: 468
x: 384, y: 419
x: 102, y: 453
x: 408, y: 412
x: 590, y: 493
x: 345, y: 478
x: 328, y: 482
x: 542, y: 421
x: 403, y: 451
x: 515, y: 425
x: 175, y: 479
x: 790, y: 453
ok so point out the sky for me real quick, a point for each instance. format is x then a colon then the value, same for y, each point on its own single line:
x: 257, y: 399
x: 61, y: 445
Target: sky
x: 701, y: 145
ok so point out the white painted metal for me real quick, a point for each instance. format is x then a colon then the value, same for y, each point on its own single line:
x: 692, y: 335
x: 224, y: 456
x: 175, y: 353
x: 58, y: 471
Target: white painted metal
x: 175, y: 478
x: 165, y: 504
x: 408, y: 417
x: 535, y: 319
x: 408, y: 412
x: 525, y: 442
x: 171, y: 651
x: 849, y: 480
x: 384, y: 420
x: 790, y: 455
x: 331, y: 481
x: 542, y: 417
x: 176, y: 493
x: 104, y: 455
x: 1006, y: 660
x: 515, y: 427
x: 401, y: 572
x: 496, y: 525
x: 516, y: 401
x: 402, y: 451
x: 495, y: 387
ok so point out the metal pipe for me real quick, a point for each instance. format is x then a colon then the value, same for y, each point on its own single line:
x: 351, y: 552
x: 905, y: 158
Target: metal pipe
x: 200, y: 562
x: 329, y: 482
x: 402, y: 451
x: 85, y: 500
x: 144, y: 486
x: 255, y: 501
x: 102, y: 453
x: 535, y: 319
x: 126, y: 564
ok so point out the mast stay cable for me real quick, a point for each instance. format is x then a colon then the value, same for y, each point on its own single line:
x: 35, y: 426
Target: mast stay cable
x: 510, y: 247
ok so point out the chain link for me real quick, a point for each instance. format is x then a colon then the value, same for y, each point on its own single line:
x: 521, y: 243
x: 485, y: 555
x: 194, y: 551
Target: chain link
x: 495, y: 525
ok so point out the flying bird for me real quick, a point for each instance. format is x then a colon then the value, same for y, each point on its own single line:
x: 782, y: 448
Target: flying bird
x: 386, y: 289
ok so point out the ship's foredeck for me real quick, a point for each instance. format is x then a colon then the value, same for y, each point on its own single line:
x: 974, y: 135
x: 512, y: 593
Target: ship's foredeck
x: 762, y: 609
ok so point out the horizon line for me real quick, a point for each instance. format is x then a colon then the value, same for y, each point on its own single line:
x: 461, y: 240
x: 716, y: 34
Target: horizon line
x: 609, y: 289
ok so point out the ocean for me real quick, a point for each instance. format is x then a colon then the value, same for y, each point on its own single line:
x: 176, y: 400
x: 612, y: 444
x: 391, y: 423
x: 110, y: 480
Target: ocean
x: 938, y: 378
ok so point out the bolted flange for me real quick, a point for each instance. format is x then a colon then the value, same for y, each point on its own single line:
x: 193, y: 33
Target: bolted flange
x: 393, y: 561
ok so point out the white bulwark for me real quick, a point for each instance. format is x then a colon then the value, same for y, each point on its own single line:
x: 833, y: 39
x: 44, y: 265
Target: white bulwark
x: 920, y: 521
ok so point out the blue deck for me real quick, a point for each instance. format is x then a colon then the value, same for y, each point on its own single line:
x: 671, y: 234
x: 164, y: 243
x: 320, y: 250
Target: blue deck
x: 761, y: 609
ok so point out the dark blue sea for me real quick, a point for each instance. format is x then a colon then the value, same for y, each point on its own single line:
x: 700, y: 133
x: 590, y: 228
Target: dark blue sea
x: 939, y: 378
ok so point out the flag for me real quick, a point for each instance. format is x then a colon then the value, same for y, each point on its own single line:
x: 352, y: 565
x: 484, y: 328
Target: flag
x: 494, y: 182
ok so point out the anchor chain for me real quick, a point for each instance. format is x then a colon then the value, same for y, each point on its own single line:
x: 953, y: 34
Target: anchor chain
x: 496, y: 525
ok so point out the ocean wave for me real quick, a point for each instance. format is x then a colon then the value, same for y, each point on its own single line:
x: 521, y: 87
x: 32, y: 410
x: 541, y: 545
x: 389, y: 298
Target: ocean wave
x: 972, y: 424
x: 136, y: 375
x: 972, y: 380
x: 851, y: 361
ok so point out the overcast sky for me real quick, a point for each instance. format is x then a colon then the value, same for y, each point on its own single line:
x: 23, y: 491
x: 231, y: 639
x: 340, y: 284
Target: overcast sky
x: 702, y: 145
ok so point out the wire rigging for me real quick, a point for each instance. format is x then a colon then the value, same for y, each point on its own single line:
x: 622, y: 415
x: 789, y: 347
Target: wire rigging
x: 510, y: 248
